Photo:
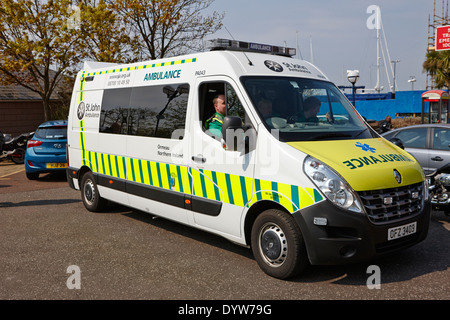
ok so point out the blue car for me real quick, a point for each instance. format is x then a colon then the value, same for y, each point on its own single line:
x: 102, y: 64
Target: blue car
x: 46, y: 151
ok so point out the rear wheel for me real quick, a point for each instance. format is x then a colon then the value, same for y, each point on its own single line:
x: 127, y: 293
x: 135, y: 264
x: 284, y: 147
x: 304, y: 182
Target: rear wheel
x: 90, y: 195
x: 278, y: 245
x: 19, y: 156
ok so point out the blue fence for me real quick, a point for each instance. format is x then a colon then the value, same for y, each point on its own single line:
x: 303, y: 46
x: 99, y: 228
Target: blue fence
x: 378, y: 107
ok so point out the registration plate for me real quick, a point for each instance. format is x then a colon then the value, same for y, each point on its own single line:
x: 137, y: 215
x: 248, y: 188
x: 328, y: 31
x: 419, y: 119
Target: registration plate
x: 402, y: 231
x: 56, y: 165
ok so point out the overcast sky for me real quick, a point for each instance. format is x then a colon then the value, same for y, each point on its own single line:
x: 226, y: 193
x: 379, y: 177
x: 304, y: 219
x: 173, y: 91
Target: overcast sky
x: 341, y: 33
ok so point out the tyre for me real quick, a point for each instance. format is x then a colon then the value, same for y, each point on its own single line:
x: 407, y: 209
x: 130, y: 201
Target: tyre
x: 278, y: 245
x: 90, y: 195
x: 19, y: 156
x: 32, y: 175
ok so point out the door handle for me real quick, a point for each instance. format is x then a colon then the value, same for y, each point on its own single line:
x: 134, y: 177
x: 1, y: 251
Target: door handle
x: 437, y: 158
x: 199, y: 158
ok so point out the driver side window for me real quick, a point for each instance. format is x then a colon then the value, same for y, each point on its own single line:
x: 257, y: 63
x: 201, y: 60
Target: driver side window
x: 218, y: 100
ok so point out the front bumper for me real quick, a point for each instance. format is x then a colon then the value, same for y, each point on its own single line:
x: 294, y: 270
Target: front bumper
x: 349, y: 237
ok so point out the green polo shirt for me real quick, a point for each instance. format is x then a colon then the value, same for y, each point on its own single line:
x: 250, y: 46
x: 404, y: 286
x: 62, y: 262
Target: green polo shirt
x: 214, y: 124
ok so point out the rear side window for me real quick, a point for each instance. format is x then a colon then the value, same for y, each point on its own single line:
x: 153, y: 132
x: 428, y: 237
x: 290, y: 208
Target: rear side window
x: 114, y: 112
x: 55, y: 133
x: 153, y: 111
x: 441, y: 139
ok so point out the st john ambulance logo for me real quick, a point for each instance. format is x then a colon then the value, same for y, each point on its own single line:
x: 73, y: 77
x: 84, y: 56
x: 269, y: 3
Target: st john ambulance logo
x: 365, y: 147
x: 80, y: 111
x: 274, y: 66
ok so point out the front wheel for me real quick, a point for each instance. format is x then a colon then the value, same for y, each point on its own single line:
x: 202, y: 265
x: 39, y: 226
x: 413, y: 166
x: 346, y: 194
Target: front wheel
x: 278, y: 245
x: 90, y: 195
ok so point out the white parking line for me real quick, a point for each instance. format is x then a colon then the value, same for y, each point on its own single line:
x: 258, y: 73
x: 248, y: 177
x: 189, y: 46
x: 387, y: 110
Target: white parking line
x: 11, y: 173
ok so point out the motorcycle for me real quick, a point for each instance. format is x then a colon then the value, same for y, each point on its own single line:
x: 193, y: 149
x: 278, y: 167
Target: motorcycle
x: 438, y: 183
x: 439, y: 188
x: 14, y: 148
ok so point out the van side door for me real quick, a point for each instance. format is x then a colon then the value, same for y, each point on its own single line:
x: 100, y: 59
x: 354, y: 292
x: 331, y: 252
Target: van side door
x: 220, y: 177
x: 156, y: 164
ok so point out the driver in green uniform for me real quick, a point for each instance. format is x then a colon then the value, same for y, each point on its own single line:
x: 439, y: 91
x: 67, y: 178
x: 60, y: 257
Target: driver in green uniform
x: 214, y: 124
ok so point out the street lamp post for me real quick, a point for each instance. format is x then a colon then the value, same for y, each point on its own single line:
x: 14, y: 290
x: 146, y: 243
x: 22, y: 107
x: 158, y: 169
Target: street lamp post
x: 411, y: 80
x: 395, y: 65
x: 353, y: 76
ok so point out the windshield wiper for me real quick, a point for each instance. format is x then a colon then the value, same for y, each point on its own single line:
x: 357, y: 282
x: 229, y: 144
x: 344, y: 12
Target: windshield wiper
x: 361, y: 132
x: 331, y: 135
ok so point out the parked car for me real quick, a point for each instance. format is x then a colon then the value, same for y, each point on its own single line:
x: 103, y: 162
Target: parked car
x: 46, y: 151
x: 428, y: 143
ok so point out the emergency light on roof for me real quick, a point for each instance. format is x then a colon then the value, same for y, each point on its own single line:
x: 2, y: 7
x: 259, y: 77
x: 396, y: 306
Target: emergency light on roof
x: 234, y: 45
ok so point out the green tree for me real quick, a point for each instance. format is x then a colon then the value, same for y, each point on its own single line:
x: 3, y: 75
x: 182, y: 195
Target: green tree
x: 37, y: 47
x: 438, y: 66
x: 107, y: 38
x: 169, y: 27
x: 43, y: 42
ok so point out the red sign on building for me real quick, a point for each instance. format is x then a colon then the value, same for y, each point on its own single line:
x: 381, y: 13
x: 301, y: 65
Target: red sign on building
x: 443, y: 38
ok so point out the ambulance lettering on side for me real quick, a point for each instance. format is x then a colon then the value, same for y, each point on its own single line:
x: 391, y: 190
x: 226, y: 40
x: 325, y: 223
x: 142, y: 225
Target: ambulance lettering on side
x: 296, y: 174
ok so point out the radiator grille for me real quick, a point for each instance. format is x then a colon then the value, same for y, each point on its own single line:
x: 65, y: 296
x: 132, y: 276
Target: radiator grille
x: 389, y: 205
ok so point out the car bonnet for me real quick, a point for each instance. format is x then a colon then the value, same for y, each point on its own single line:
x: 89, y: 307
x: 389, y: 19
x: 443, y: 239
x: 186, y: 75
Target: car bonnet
x: 367, y: 164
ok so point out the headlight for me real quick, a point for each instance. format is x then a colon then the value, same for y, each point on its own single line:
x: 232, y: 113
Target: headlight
x: 445, y: 180
x: 332, y: 185
x: 426, y: 194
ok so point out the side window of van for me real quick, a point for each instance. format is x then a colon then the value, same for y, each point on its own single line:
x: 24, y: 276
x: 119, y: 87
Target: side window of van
x: 114, y: 113
x: 151, y: 111
x: 210, y: 90
x: 158, y: 111
x: 234, y: 105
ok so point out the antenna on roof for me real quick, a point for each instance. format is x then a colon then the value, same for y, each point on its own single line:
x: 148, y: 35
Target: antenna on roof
x: 249, y: 62
x: 298, y: 49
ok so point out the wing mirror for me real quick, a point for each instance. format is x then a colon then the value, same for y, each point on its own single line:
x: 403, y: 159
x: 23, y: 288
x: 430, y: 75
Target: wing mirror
x: 236, y: 136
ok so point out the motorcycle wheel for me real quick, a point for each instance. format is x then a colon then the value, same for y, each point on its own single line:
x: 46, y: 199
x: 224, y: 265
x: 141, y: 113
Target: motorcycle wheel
x: 19, y: 156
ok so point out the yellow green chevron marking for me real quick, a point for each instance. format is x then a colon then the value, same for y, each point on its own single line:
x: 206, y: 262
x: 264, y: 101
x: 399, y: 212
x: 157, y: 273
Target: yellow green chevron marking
x: 140, y: 67
x: 232, y: 189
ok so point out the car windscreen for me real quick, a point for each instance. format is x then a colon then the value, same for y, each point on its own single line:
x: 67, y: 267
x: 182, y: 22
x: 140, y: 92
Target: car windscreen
x: 302, y: 109
x: 54, y: 133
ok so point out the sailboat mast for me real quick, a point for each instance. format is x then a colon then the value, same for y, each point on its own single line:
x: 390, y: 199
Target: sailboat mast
x: 377, y: 87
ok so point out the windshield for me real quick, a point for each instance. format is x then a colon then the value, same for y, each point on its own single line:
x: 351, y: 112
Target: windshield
x: 305, y: 109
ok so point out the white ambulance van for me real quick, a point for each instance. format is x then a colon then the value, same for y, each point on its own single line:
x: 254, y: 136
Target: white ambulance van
x: 297, y: 174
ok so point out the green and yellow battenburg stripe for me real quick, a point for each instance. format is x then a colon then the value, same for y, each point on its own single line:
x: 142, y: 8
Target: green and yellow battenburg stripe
x: 227, y: 188
x: 140, y: 67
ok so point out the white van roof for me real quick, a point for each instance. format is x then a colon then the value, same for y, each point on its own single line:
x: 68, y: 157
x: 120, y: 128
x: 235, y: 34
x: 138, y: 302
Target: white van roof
x: 94, y: 65
x: 228, y: 57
